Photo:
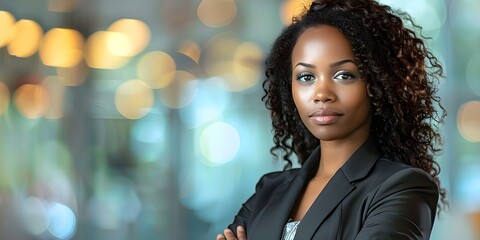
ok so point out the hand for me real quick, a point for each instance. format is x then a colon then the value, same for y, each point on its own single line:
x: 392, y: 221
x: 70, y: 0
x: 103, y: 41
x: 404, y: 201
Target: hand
x: 229, y: 235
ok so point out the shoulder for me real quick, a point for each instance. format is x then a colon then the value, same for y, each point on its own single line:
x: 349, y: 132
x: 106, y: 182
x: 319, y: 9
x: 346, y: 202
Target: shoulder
x: 393, y: 171
x: 393, y: 178
x: 278, y: 177
x: 272, y: 180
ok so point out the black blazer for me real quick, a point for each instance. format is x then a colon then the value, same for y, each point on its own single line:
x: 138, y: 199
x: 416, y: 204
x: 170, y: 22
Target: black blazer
x: 369, y: 197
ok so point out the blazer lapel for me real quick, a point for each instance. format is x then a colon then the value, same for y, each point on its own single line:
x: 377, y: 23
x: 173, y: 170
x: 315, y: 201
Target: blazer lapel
x: 270, y: 222
x: 342, y: 183
x: 337, y: 188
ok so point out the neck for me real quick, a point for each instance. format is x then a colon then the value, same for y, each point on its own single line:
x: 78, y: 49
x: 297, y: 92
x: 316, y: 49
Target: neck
x: 335, y: 153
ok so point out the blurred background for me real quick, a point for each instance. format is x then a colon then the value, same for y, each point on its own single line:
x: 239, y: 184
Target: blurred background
x: 143, y: 120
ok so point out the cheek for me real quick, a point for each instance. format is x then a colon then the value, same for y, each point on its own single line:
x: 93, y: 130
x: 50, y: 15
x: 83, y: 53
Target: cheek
x: 300, y: 96
x: 361, y: 103
x: 356, y: 98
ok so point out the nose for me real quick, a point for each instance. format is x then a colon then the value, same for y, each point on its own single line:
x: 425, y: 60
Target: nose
x: 323, y: 91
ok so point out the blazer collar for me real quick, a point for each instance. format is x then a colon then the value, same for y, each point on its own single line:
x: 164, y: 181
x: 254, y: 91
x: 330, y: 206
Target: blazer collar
x: 270, y: 222
x: 359, y: 164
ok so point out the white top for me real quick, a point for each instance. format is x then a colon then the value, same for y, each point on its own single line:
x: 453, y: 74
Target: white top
x: 290, y: 229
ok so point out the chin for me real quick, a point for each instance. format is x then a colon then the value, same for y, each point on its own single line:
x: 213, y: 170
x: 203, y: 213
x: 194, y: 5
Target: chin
x: 326, y: 136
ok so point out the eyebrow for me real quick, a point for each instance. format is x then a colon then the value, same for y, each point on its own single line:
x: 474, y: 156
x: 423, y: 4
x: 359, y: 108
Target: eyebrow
x: 336, y: 64
x: 339, y: 63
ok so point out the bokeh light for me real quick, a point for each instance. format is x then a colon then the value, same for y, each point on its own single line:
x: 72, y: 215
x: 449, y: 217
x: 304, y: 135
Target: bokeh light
x: 7, y: 21
x: 134, y: 99
x: 247, y: 68
x: 472, y: 74
x: 239, y: 65
x: 34, y: 214
x: 181, y: 91
x: 468, y: 121
x: 4, y: 98
x: 218, y: 49
x: 469, y: 184
x: 62, y: 47
x: 32, y: 100
x: 62, y: 221
x: 25, y: 38
x: 119, y: 44
x: 211, y: 99
x: 430, y: 15
x: 155, y: 68
x: 137, y: 36
x: 190, y: 49
x: 99, y: 46
x: 464, y: 19
x: 219, y: 143
x: 217, y: 13
x: 149, y: 137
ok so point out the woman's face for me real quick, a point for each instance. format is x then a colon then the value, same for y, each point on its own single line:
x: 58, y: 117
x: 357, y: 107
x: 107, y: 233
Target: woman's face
x: 327, y: 88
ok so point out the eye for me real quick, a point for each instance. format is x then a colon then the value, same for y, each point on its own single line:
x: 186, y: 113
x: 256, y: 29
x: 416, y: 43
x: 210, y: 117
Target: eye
x: 305, y: 77
x: 344, y: 75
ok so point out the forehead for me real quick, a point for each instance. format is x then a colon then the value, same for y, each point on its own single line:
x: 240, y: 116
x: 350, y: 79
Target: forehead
x: 322, y: 40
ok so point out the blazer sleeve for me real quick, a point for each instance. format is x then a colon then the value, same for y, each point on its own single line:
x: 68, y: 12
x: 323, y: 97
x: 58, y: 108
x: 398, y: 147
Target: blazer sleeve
x: 403, y: 207
x: 256, y: 200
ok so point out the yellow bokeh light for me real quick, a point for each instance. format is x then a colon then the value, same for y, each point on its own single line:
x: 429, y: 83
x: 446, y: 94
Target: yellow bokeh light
x: 468, y: 121
x: 221, y: 46
x: 246, y: 66
x: 181, y: 91
x: 4, y: 98
x: 119, y: 44
x: 218, y: 50
x: 190, y: 49
x: 136, y: 32
x: 25, y: 38
x: 56, y: 92
x: 7, y: 21
x: 98, y: 54
x: 292, y: 8
x: 134, y: 99
x: 62, y: 47
x: 239, y: 65
x: 31, y: 100
x: 217, y: 13
x: 155, y: 69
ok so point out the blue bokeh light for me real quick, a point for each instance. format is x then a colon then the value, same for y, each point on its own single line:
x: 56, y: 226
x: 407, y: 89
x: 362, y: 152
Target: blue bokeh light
x: 208, y: 104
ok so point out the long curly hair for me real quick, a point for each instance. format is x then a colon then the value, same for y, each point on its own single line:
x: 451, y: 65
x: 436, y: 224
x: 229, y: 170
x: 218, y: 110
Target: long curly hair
x: 401, y: 74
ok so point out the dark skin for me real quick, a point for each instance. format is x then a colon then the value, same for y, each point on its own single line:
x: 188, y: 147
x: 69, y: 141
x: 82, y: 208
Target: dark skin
x: 332, y: 101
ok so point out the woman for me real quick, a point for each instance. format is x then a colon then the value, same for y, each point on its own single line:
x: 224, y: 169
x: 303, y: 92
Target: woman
x: 351, y: 93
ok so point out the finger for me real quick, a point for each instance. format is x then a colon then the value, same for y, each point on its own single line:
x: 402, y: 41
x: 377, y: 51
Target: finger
x: 220, y: 237
x: 229, y: 234
x: 241, y: 234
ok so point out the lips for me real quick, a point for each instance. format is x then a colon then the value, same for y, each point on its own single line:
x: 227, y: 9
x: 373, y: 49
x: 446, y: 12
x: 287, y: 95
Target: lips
x: 325, y: 116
